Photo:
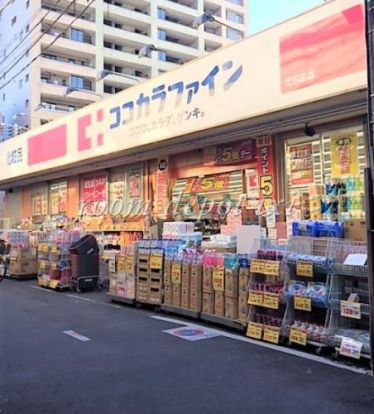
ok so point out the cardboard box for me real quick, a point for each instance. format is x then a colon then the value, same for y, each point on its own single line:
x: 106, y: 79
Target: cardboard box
x: 195, y: 299
x: 355, y: 230
x: 243, y: 283
x: 244, y: 271
x: 219, y: 304
x: 130, y: 287
x: 143, y: 264
x: 208, y: 280
x: 23, y: 253
x: 243, y: 308
x: 22, y: 267
x: 186, y: 275
x: 113, y: 284
x: 231, y: 308
x: 208, y: 303
x: 168, y: 295
x: 177, y: 293
x: 142, y: 292
x: 121, y: 264
x: 231, y: 285
x: 185, y: 301
x: 167, y: 273
x: 155, y: 294
x: 196, y: 277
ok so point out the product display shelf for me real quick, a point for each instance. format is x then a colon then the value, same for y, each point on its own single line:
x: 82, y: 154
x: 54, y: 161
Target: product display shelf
x: 221, y: 320
x: 177, y: 310
x: 349, y: 302
x: 265, y: 296
x: 306, y: 289
x: 120, y: 299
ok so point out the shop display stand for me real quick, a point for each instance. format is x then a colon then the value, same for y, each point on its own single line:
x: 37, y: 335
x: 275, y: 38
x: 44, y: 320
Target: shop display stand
x: 221, y: 320
x: 176, y: 310
x: 120, y: 299
x: 267, y: 308
x: 349, y: 300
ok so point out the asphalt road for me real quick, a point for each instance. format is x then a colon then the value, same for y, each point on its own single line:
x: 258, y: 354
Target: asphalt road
x: 131, y: 366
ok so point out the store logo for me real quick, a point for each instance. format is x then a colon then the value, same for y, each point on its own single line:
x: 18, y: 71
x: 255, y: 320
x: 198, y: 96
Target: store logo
x: 47, y: 145
x: 85, y: 122
x: 15, y: 156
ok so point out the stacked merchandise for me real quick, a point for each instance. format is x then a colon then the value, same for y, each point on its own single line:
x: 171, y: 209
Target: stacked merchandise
x: 243, y: 307
x: 265, y: 295
x: 183, y: 232
x: 122, y: 279
x: 54, y: 260
x: 221, y: 243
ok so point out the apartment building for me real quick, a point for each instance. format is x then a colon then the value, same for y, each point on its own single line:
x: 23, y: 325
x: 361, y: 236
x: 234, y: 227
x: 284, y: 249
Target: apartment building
x: 53, y: 52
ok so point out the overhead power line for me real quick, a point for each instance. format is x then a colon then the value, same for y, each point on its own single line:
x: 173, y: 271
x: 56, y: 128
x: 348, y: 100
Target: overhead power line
x: 47, y: 47
x: 30, y: 32
x: 14, y: 63
x: 5, y: 6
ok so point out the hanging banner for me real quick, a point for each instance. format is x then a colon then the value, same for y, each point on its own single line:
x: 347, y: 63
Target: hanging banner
x: 266, y: 170
x: 160, y: 186
x: 235, y: 153
x: 344, y: 155
x: 94, y: 190
x: 301, y: 164
x: 117, y: 187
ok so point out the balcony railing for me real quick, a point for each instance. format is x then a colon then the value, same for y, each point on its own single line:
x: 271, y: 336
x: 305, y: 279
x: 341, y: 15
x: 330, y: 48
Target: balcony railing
x: 55, y: 107
x: 66, y: 60
x: 68, y: 12
x: 86, y: 39
x: 185, y: 4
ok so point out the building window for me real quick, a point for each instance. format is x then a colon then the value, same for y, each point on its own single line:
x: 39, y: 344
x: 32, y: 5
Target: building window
x: 108, y: 89
x: 76, y: 82
x: 13, y: 21
x: 27, y: 28
x: 3, y: 96
x: 27, y: 4
x: 27, y: 103
x: 77, y: 35
x: 234, y: 17
x: 161, y: 34
x: 161, y: 14
x: 237, y: 2
x: 20, y: 83
x: 234, y: 34
x: 162, y: 56
x: 27, y: 78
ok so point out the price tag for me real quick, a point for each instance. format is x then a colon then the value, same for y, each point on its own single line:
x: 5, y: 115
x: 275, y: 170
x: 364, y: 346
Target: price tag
x: 45, y: 248
x: 218, y: 279
x: 156, y: 262
x: 271, y: 300
x: 54, y: 266
x: 350, y: 348
x: 42, y: 265
x: 303, y: 303
x: 304, y: 269
x: 176, y: 273
x: 350, y: 309
x: 257, y: 266
x: 271, y: 268
x: 54, y: 249
x: 255, y: 298
x: 53, y: 284
x: 254, y: 330
x: 271, y: 334
x: 40, y: 247
x: 298, y: 336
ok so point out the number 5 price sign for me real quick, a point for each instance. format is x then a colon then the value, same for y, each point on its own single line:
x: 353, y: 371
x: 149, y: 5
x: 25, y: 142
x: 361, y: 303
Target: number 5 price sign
x: 266, y: 170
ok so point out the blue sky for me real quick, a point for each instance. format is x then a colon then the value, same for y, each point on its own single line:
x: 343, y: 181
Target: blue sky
x: 266, y: 13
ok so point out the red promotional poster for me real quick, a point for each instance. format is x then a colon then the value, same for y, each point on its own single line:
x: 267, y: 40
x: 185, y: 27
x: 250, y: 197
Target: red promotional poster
x: 235, y: 153
x: 301, y: 164
x: 266, y: 170
x: 331, y: 48
x: 95, y: 188
x: 161, y: 192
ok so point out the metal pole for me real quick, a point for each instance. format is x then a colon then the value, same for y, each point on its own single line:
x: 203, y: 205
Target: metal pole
x: 369, y: 189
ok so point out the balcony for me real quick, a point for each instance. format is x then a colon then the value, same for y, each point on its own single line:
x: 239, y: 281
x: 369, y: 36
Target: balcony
x: 125, y: 36
x: 126, y: 16
x: 63, y: 66
x: 85, y: 24
x: 178, y: 50
x: 70, y: 47
x: 178, y: 7
x: 53, y: 88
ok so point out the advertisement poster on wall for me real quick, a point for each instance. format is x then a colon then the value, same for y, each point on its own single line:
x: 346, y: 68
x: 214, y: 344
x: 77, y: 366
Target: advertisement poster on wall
x: 117, y: 187
x: 94, y: 190
x: 301, y: 164
x: 58, y: 198
x: 134, y: 183
x: 266, y: 171
x: 344, y: 155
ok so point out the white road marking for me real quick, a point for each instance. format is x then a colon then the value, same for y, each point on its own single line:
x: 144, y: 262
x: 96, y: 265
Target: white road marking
x: 80, y: 298
x: 77, y: 336
x: 43, y: 289
x: 278, y: 348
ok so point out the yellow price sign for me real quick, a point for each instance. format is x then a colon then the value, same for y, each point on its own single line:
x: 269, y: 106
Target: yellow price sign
x: 54, y: 249
x: 40, y: 247
x: 272, y: 268
x: 254, y: 330
x: 271, y: 334
x: 156, y: 262
x: 54, y: 266
x: 45, y: 248
x: 255, y: 298
x: 303, y: 303
x: 176, y: 273
x: 304, y: 269
x: 219, y: 279
x: 298, y: 336
x: 53, y: 284
x: 350, y: 309
x: 271, y: 300
x: 257, y: 266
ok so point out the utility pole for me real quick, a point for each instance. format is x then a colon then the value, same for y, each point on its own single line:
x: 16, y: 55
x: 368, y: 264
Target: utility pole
x: 369, y: 172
